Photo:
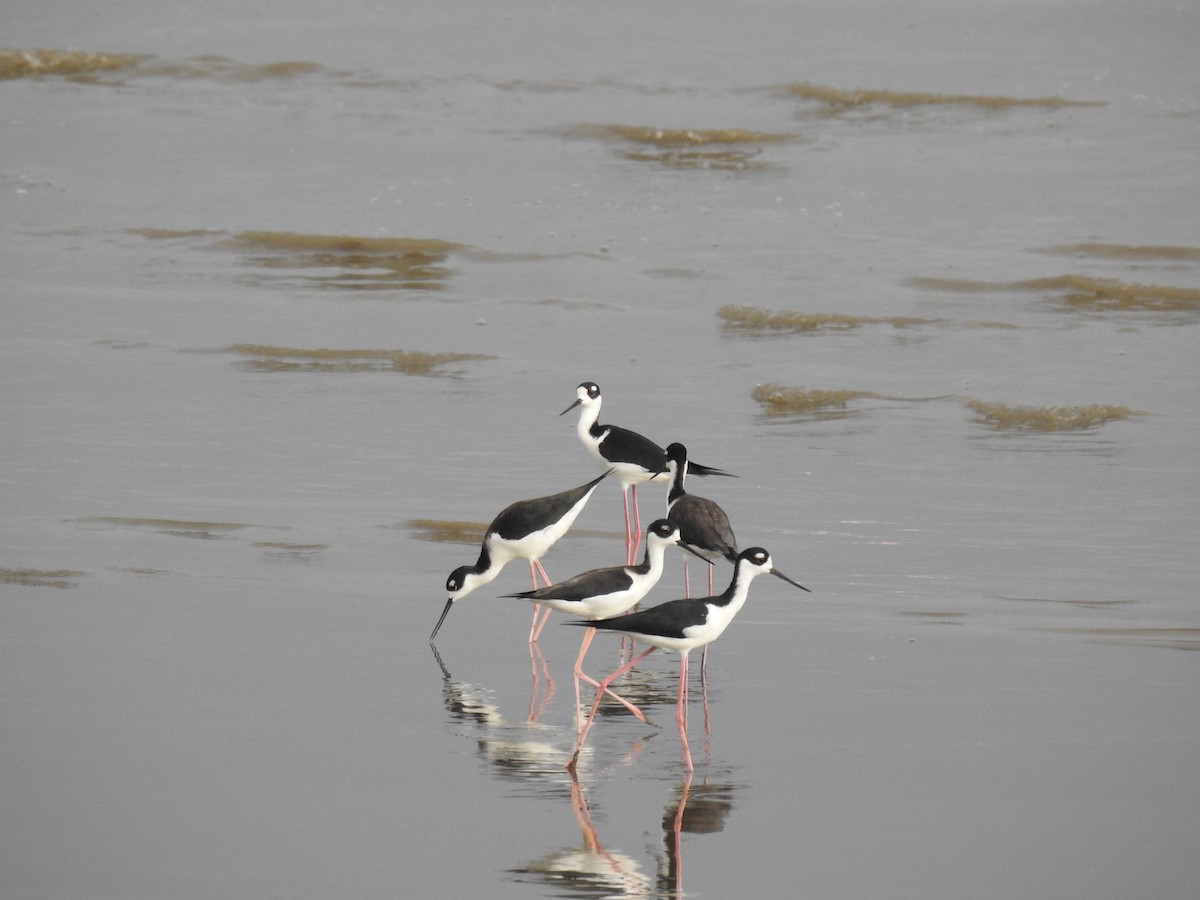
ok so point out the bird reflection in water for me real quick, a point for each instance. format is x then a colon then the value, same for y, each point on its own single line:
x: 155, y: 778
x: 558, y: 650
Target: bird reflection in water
x: 510, y: 748
x: 592, y: 870
x: 468, y: 702
x: 532, y: 754
x: 699, y: 809
x: 589, y: 869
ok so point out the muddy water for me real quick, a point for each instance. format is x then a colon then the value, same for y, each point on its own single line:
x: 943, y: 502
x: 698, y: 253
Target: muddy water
x: 294, y: 296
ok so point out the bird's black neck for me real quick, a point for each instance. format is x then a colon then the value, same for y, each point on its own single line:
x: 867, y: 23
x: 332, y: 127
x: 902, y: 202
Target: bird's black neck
x: 739, y: 581
x: 643, y: 567
x: 485, y: 560
x: 677, y: 490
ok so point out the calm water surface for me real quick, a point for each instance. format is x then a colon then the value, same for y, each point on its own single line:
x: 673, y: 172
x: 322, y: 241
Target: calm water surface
x: 294, y: 293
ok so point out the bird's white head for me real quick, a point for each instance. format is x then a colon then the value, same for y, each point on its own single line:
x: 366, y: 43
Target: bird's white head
x: 587, y: 395
x: 755, y: 561
x: 664, y: 532
x: 462, y: 581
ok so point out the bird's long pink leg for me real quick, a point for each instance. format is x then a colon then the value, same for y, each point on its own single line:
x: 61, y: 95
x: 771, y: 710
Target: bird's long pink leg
x: 704, y: 652
x: 636, y: 534
x: 629, y: 538
x: 582, y: 675
x: 535, y: 628
x: 583, y: 647
x: 600, y: 689
x: 681, y: 711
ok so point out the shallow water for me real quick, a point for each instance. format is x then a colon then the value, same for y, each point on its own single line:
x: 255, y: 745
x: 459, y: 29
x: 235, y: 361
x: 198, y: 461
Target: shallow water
x: 295, y: 294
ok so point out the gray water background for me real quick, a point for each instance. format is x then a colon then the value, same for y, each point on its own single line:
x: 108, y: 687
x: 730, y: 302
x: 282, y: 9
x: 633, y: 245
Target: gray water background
x: 221, y: 553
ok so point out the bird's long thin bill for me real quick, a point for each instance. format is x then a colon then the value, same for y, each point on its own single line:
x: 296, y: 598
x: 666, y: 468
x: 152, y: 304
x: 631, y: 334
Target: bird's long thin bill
x: 571, y: 407
x: 777, y: 574
x: 695, y: 552
x: 441, y: 618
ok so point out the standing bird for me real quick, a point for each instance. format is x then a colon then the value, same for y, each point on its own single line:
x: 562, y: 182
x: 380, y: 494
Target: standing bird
x: 600, y: 593
x: 703, y: 525
x: 524, y: 530
x: 682, y: 625
x: 634, y: 458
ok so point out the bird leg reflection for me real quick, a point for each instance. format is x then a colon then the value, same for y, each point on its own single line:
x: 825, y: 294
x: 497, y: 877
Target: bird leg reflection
x: 674, y: 838
x: 538, y: 660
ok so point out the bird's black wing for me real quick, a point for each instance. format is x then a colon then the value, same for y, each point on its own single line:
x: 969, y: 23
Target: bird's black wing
x: 665, y: 620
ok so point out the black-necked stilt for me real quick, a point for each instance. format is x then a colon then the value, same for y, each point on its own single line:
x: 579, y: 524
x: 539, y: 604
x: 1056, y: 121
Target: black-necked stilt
x: 703, y: 525
x: 634, y: 458
x: 682, y: 625
x: 524, y: 530
x: 601, y: 593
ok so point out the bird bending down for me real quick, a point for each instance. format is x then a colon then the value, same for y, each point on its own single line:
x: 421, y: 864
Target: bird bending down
x: 526, y: 529
x: 634, y: 458
x: 601, y: 593
x: 681, y: 625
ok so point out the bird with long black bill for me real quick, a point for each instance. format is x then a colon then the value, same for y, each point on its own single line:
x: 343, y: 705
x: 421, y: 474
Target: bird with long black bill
x: 681, y: 625
x: 634, y: 458
x: 601, y: 593
x: 526, y: 529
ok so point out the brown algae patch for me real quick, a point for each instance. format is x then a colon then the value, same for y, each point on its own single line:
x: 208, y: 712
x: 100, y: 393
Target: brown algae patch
x: 1080, y: 292
x: 289, y: 551
x: 54, y: 578
x: 178, y: 527
x: 357, y: 263
x: 724, y: 149
x: 173, y: 234
x: 1135, y: 636
x: 931, y: 617
x: 680, y: 137
x: 1125, y: 252
x: 447, y: 532
x: 82, y: 66
x: 349, y: 262
x: 720, y: 160
x: 1002, y: 417
x: 779, y: 400
x: 1084, y: 603
x: 1104, y: 295
x: 755, y: 321
x: 265, y: 358
x: 289, y: 242
x: 840, y: 99
x: 221, y: 68
x: 74, y: 65
x: 443, y: 531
